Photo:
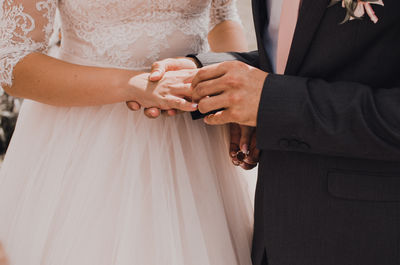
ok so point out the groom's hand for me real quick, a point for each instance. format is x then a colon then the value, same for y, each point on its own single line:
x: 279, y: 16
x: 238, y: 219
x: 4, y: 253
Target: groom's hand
x: 243, y: 150
x: 158, y: 70
x: 234, y: 87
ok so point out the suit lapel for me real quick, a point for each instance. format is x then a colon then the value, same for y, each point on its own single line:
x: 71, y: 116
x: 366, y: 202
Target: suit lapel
x: 260, y: 22
x: 311, y: 14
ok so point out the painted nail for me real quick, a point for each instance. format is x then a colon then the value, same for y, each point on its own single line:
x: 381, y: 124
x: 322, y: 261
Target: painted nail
x: 245, y: 149
x: 155, y: 74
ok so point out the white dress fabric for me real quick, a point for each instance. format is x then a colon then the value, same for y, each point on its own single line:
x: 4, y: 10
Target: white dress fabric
x: 106, y: 186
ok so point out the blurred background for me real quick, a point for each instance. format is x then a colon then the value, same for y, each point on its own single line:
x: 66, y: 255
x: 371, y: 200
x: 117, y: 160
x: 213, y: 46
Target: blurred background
x: 9, y: 107
x: 244, y: 8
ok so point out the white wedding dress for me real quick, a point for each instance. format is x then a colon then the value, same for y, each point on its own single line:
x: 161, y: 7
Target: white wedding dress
x: 106, y: 186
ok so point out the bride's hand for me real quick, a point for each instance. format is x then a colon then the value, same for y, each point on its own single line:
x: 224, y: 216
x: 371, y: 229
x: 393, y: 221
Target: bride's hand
x: 157, y: 72
x: 172, y: 91
x: 159, y: 68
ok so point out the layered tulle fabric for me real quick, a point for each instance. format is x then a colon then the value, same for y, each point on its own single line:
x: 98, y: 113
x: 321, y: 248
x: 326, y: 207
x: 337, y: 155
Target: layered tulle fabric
x: 105, y: 186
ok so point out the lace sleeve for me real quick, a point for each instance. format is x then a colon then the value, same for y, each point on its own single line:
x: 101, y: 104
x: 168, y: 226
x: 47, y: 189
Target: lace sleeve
x: 222, y: 10
x: 25, y: 27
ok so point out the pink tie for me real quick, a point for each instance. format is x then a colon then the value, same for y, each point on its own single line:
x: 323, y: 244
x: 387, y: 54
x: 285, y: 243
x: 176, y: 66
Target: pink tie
x: 287, y: 26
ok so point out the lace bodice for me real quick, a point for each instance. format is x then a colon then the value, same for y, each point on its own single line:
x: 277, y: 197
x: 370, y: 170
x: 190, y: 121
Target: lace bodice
x: 128, y: 34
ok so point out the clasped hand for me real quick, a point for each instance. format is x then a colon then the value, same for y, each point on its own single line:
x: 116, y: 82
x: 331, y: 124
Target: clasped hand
x: 233, y: 89
x: 171, y: 91
x: 170, y: 86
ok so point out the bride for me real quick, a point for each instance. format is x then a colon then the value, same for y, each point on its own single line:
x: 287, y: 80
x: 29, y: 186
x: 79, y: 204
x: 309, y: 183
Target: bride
x: 85, y: 181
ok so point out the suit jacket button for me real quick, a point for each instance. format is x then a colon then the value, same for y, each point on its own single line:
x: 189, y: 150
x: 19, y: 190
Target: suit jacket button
x: 294, y: 144
x: 284, y: 143
x: 304, y: 146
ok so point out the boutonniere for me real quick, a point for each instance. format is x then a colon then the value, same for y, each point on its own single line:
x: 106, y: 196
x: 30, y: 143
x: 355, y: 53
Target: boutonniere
x: 356, y: 9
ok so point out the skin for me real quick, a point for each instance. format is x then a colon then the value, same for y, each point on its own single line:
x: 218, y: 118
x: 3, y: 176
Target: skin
x: 224, y: 37
x: 51, y: 81
x: 3, y: 258
x: 227, y: 36
x: 243, y: 138
x: 236, y: 88
x: 242, y: 103
x: 233, y: 86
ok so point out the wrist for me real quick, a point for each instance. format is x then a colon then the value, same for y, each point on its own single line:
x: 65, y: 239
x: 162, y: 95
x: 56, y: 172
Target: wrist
x: 129, y: 85
x: 195, y: 60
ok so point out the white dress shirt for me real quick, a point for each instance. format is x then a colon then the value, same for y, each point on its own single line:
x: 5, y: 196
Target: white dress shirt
x: 271, y: 32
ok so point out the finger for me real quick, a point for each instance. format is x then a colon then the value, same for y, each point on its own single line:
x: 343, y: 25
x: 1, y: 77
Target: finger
x: 133, y: 105
x: 152, y: 113
x: 190, y: 75
x: 172, y: 112
x: 254, y: 155
x: 182, y: 90
x: 245, y: 139
x: 233, y: 150
x: 158, y: 69
x: 236, y: 162
x: 181, y: 104
x: 219, y: 118
x: 209, y: 104
x: 209, y: 72
x: 246, y: 166
x: 207, y: 88
x: 156, y: 75
x: 234, y: 140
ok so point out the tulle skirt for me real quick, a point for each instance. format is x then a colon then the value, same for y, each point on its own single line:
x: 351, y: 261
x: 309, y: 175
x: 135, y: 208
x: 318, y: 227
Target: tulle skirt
x: 106, y: 186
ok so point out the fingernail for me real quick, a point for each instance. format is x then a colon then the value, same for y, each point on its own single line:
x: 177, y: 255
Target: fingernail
x: 195, y: 106
x: 155, y: 74
x: 208, y: 118
x: 245, y: 149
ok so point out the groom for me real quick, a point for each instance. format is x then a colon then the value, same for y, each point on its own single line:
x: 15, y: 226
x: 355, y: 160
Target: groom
x: 325, y: 98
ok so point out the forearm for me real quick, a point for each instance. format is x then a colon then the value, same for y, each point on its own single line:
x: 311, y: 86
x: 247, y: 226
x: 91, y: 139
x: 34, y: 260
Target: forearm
x: 228, y: 43
x: 228, y: 36
x: 51, y: 81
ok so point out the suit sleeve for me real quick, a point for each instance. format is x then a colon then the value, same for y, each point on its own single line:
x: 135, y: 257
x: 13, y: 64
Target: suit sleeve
x: 340, y: 119
x: 250, y: 58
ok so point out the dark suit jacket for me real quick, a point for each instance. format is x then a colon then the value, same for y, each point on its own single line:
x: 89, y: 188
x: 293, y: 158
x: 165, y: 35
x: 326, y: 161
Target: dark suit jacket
x: 329, y: 178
